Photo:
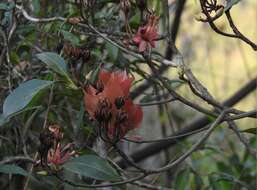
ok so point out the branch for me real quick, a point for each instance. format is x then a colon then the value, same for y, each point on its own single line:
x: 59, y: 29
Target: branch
x: 237, y: 32
x: 195, y: 146
x: 196, y: 124
x: 243, y: 139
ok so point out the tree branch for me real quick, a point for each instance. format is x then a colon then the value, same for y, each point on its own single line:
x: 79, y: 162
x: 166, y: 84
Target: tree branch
x: 196, y: 124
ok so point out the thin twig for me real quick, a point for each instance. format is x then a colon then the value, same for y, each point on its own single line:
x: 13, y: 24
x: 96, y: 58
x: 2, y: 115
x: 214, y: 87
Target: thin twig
x: 195, y: 146
x: 243, y: 139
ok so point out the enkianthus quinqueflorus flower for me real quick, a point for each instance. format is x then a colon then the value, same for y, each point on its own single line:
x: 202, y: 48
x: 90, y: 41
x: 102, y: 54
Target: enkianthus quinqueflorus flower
x: 147, y: 35
x: 108, y: 103
x: 59, y: 156
x: 50, y: 149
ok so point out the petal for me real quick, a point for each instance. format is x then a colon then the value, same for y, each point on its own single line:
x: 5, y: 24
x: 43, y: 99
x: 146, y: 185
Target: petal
x: 154, y: 35
x: 137, y: 39
x: 135, y: 113
x: 153, y: 43
x: 125, y: 81
x: 142, y: 46
x: 90, y: 101
x: 113, y: 89
x: 66, y: 157
x: 138, y: 115
x: 104, y: 76
x: 126, y: 85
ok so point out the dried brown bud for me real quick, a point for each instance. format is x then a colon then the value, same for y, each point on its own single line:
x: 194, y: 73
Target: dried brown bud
x: 74, y: 20
x: 76, y: 52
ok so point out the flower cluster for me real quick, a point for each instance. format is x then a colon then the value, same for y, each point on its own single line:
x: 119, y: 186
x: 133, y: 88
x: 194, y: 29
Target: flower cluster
x: 50, y: 149
x: 108, y: 103
x: 147, y: 35
x: 60, y: 155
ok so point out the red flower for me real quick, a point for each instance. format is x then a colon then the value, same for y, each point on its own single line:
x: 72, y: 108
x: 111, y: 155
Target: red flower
x: 59, y: 156
x: 147, y: 35
x: 108, y: 102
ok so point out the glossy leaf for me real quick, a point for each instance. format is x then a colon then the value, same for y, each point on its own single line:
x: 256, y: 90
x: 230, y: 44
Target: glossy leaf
x: 54, y: 62
x: 175, y: 83
x: 57, y: 64
x: 7, y: 6
x: 2, y: 120
x: 92, y: 166
x: 13, y: 169
x: 250, y: 130
x: 112, y: 51
x: 73, y: 39
x: 22, y: 96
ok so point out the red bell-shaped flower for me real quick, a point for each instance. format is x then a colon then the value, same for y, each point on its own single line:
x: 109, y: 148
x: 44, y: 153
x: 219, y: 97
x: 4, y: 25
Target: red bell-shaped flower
x: 147, y: 35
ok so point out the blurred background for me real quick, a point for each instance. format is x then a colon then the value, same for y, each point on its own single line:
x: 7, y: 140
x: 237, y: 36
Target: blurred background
x: 223, y: 65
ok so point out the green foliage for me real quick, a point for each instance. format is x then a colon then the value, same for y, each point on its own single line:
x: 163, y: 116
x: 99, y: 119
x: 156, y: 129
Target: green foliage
x: 54, y: 62
x: 182, y: 180
x: 250, y: 130
x: 57, y: 64
x: 70, y: 37
x: 92, y: 166
x: 175, y: 83
x: 13, y: 169
x: 22, y: 96
x: 7, y: 6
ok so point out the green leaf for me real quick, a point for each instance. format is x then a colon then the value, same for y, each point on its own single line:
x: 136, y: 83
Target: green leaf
x: 7, y: 6
x: 7, y: 18
x: 36, y: 6
x: 4, y: 6
x: 56, y: 63
x: 198, y: 182
x: 3, y: 120
x: 250, y: 130
x: 70, y: 37
x: 182, y: 179
x: 175, y: 83
x: 94, y: 74
x: 22, y: 96
x: 230, y: 3
x: 13, y: 169
x: 213, y: 182
x: 147, y: 98
x: 112, y: 51
x: 92, y: 166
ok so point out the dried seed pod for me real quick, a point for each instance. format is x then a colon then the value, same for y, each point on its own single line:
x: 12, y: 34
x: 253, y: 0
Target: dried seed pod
x: 76, y: 52
x: 74, y: 20
x: 86, y: 55
x: 49, y: 138
x: 59, y: 47
x: 47, y: 141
